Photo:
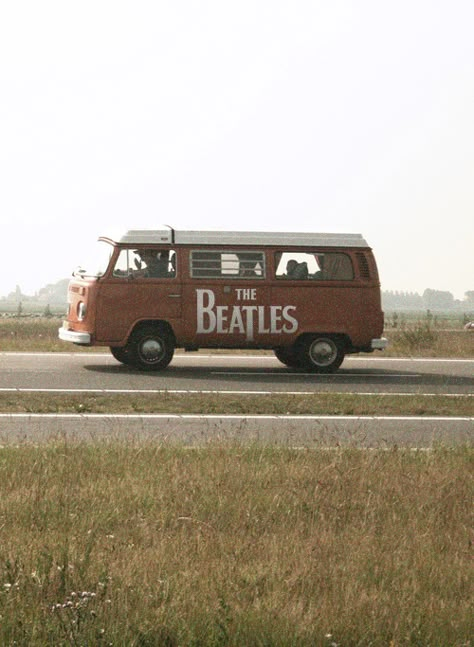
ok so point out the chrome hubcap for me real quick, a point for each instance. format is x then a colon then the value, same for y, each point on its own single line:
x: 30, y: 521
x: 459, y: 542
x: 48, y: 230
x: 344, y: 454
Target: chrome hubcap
x: 323, y: 352
x: 151, y: 350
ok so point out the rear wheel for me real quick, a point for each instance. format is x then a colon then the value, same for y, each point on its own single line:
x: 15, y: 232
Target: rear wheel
x: 321, y: 354
x: 151, y: 348
x: 287, y: 356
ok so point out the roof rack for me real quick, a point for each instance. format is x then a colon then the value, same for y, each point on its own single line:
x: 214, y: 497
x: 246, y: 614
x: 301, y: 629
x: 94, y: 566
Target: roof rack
x: 169, y: 236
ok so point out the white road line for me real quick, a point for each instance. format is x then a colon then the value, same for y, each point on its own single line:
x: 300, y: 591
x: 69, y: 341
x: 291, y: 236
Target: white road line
x: 215, y: 416
x: 244, y: 357
x: 228, y: 392
x: 328, y: 375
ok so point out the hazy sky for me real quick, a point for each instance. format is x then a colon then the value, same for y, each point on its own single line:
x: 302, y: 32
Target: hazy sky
x: 334, y: 115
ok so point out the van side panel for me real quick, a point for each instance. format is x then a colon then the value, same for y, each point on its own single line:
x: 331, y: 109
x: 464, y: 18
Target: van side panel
x: 122, y: 303
x: 350, y: 311
x: 351, y: 308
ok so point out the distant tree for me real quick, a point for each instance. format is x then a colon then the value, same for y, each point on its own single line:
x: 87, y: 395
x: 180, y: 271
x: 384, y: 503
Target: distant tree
x: 469, y: 298
x: 55, y: 293
x: 47, y: 311
x: 437, y: 300
x: 402, y: 300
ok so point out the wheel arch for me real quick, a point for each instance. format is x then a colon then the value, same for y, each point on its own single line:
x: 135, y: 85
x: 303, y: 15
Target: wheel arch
x: 158, y: 323
x: 342, y: 338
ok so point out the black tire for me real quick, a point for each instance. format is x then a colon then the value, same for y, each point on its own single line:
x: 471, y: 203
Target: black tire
x: 151, y: 348
x: 321, y: 353
x: 287, y: 356
x: 121, y: 354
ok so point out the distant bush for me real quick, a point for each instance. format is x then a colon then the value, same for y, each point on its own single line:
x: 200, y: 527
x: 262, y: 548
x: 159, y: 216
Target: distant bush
x: 420, y: 337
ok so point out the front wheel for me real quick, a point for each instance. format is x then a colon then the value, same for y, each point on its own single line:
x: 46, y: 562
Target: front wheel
x: 321, y: 354
x: 151, y: 348
x: 121, y: 354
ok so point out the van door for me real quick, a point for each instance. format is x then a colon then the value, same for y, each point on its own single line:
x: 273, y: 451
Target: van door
x: 138, y: 290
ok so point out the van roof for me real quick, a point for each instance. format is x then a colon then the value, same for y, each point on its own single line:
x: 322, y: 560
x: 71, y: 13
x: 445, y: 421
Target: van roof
x: 169, y: 236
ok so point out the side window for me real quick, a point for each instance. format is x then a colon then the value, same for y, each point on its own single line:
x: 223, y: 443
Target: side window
x: 227, y: 264
x: 319, y: 266
x: 146, y: 263
x: 334, y: 267
x: 294, y: 265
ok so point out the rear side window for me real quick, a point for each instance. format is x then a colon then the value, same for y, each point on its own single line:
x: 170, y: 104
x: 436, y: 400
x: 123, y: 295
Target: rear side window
x: 367, y: 266
x: 227, y: 264
x: 314, y: 266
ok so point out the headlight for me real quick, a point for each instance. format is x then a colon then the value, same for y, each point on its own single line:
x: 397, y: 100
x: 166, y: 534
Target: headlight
x: 81, y: 310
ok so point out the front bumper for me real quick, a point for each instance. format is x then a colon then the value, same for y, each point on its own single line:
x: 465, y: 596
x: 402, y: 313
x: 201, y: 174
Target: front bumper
x: 379, y: 344
x: 83, y: 338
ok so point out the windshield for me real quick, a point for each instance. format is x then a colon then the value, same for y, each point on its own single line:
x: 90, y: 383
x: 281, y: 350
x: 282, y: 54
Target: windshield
x: 96, y: 260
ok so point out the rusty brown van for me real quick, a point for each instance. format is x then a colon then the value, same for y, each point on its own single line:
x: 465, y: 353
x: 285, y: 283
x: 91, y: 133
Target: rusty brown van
x: 310, y: 297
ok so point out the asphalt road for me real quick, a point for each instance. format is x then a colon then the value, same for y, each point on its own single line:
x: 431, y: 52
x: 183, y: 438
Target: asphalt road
x: 238, y: 373
x: 219, y: 372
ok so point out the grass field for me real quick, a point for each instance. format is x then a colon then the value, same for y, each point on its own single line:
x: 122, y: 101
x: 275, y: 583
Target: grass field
x: 145, y: 545
x: 141, y: 544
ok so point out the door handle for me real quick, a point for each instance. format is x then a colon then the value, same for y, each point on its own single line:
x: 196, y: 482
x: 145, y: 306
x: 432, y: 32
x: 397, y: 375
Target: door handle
x: 174, y: 296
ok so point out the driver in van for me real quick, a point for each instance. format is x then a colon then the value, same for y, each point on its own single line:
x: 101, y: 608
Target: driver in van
x: 157, y: 263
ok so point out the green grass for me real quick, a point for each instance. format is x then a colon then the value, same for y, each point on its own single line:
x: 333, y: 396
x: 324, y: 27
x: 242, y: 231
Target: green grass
x: 124, y: 544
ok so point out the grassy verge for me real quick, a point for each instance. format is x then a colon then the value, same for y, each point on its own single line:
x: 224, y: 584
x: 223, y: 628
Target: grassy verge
x: 271, y: 404
x: 421, y: 340
x: 414, y: 340
x: 116, y: 544
x: 30, y: 334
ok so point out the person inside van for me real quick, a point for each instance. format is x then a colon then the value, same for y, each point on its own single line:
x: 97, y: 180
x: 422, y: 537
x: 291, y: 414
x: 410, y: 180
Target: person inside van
x: 290, y: 268
x: 295, y: 270
x: 157, y: 263
x: 301, y: 271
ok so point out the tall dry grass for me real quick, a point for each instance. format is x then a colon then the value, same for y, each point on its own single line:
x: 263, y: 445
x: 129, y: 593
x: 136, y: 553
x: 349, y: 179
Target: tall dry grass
x: 30, y: 334
x: 415, y: 338
x: 423, y: 340
x: 115, y: 544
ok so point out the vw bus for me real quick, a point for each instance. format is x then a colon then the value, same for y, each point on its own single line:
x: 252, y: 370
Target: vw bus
x: 312, y: 298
